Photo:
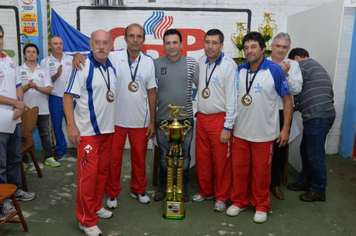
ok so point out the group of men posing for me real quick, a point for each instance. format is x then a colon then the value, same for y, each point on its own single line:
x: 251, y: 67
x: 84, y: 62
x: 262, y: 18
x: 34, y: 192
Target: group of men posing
x: 244, y: 116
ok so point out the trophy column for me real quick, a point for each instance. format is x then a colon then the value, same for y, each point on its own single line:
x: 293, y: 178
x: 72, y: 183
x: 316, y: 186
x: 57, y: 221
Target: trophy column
x: 174, y: 202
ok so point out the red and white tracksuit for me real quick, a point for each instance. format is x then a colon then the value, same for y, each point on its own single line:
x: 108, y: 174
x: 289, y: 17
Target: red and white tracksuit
x: 93, y: 156
x: 138, y: 142
x: 213, y: 159
x: 251, y: 162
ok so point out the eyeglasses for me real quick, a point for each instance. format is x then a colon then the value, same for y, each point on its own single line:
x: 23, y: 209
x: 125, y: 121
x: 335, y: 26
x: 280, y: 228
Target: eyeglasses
x: 214, y: 43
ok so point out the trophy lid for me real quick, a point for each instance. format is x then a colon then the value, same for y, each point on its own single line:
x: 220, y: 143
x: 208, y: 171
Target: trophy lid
x: 175, y: 124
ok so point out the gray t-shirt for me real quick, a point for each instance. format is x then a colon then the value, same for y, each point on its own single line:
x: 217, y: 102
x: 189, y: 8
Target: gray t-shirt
x: 175, y: 85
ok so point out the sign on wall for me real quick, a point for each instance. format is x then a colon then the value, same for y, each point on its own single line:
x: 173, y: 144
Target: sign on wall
x: 191, y: 22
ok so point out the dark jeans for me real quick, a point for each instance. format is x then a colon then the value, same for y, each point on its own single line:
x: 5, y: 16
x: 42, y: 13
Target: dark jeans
x: 163, y: 145
x: 10, y: 158
x: 312, y: 150
x: 279, y: 158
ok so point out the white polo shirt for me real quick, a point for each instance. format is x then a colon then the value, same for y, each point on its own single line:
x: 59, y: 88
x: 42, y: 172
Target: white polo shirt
x: 132, y: 108
x: 222, y: 86
x: 294, y: 78
x: 33, y: 97
x: 259, y: 122
x: 51, y: 65
x: 93, y: 113
x: 8, y: 80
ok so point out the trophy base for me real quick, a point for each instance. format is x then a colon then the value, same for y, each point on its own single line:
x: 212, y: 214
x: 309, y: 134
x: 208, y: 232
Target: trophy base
x: 239, y: 61
x: 267, y: 53
x: 174, y: 210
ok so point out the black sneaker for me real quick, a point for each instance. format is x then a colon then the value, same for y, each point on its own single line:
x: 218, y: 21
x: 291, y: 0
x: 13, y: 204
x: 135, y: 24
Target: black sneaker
x: 298, y: 186
x: 160, y: 194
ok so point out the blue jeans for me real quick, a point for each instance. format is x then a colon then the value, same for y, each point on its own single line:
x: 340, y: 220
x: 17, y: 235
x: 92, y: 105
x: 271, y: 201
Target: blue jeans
x: 163, y: 144
x: 312, y: 150
x: 10, y: 157
x: 56, y: 109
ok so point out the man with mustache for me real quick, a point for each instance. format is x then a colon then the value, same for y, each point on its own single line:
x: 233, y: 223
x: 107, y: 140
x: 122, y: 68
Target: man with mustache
x: 216, y: 102
x: 135, y: 114
x: 91, y: 127
x: 261, y: 85
x: 280, y: 47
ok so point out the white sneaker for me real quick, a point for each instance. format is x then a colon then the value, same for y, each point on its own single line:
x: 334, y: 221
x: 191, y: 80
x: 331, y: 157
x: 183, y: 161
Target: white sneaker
x: 90, y: 231
x: 219, y: 206
x: 7, y: 209
x: 198, y: 198
x: 111, y: 203
x: 103, y: 213
x: 234, y: 210
x: 143, y: 198
x: 260, y: 217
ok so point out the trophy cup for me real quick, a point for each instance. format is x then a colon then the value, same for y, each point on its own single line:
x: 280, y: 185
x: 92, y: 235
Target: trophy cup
x: 236, y: 39
x: 174, y: 202
x: 267, y: 31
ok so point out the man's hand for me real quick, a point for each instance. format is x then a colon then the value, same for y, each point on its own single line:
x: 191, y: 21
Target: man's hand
x: 151, y: 130
x: 59, y: 70
x: 283, y: 138
x: 20, y: 105
x: 78, y: 61
x: 286, y: 67
x: 74, y: 135
x: 17, y: 113
x: 224, y: 136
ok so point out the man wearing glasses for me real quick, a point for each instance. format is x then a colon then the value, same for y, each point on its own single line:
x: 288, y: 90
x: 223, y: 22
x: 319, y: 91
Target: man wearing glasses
x: 216, y: 103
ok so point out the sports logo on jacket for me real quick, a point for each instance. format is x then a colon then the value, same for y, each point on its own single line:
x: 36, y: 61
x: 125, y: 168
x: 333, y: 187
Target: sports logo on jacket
x: 258, y: 88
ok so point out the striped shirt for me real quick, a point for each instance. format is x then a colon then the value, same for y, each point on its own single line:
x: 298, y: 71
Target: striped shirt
x: 175, y: 85
x: 316, y: 99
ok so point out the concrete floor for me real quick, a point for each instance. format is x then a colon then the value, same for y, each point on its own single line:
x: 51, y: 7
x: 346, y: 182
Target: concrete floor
x: 52, y: 213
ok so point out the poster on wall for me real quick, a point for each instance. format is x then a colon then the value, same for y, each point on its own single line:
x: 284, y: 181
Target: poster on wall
x: 28, y: 17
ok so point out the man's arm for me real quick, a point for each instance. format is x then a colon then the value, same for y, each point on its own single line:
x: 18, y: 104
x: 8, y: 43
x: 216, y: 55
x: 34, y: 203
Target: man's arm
x: 78, y: 61
x: 152, y: 102
x: 18, y: 112
x: 73, y: 131
x: 231, y: 104
x: 294, y: 78
x: 287, y: 114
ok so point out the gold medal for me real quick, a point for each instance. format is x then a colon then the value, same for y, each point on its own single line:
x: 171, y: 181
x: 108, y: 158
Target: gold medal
x: 110, y: 96
x: 246, y: 99
x: 133, y: 86
x: 205, y: 93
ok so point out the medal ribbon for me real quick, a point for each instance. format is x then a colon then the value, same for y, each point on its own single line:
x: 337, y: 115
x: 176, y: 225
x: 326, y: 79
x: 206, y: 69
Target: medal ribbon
x: 253, y: 78
x: 207, y: 81
x: 133, y: 76
x: 106, y: 82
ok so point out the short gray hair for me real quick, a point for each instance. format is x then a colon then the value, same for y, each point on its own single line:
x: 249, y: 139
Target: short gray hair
x: 282, y: 35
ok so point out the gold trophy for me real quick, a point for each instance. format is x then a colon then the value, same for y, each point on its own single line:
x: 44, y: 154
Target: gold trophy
x: 267, y: 31
x: 236, y: 39
x: 174, y: 203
